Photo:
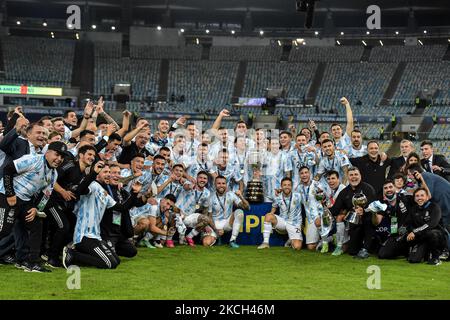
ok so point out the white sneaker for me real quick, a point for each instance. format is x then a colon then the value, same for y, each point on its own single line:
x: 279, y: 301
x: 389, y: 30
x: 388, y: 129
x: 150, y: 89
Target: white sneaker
x: 263, y: 246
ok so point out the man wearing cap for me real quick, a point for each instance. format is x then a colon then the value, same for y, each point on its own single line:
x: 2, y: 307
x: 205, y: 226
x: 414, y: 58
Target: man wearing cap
x: 23, y: 180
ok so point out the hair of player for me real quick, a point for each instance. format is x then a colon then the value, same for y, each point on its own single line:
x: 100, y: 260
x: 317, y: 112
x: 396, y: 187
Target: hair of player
x: 220, y: 177
x: 86, y: 148
x: 203, y: 172
x: 53, y: 134
x: 373, y: 141
x: 335, y: 125
x: 414, y: 167
x: 138, y: 155
x: 171, y: 197
x: 299, y: 135
x: 357, y: 131
x: 328, y: 140
x: 286, y: 132
x: 286, y: 179
x: 57, y: 119
x: 332, y: 172
x: 115, y: 137
x: 160, y: 157
x: 164, y: 149
x: 303, y: 167
x: 86, y: 132
x: 177, y: 165
x: 66, y: 113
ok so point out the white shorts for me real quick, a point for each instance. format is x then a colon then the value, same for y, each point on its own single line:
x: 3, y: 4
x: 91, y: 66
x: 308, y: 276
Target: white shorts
x: 223, y: 224
x: 294, y: 232
x: 190, y: 221
x: 311, y: 232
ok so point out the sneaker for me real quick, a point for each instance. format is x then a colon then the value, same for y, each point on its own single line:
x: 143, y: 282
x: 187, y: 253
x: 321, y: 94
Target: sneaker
x: 67, y: 257
x: 263, y: 246
x: 444, y: 255
x: 338, y: 251
x: 44, y: 257
x: 157, y: 244
x: 34, y: 267
x: 8, y: 259
x: 170, y: 244
x: 20, y: 265
x: 234, y: 245
x: 146, y: 243
x: 362, y: 254
x: 288, y: 243
x: 53, y: 263
x: 182, y: 241
x: 190, y: 242
x: 324, y: 247
x: 434, y: 261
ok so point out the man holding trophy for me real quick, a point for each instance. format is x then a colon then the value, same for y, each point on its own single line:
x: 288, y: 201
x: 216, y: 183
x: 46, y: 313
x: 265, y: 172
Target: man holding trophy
x: 349, y: 206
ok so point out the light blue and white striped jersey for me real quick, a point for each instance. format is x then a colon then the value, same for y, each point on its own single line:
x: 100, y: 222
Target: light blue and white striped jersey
x: 297, y: 160
x: 338, y: 162
x: 174, y: 188
x: 190, y: 148
x: 197, y: 166
x: 188, y: 200
x: 153, y: 148
x: 354, y: 153
x: 145, y: 179
x: 290, y: 208
x: 183, y: 159
x: 89, y: 211
x: 217, y: 146
x: 34, y: 175
x: 273, y: 173
x: 231, y: 172
x: 146, y: 210
x: 67, y: 134
x: 222, y: 206
x: 344, y: 142
x: 241, y: 163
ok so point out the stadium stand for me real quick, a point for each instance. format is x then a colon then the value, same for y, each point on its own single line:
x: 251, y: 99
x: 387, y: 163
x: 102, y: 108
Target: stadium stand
x: 249, y: 53
x: 326, y: 54
x: 407, y: 53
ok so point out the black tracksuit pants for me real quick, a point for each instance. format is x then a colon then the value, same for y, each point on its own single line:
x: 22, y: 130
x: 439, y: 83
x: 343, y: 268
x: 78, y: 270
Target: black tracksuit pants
x: 63, y: 223
x: 97, y: 253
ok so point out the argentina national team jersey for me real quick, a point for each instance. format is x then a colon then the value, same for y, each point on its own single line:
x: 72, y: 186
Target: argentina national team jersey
x: 33, y: 176
x: 189, y: 199
x: 174, y: 188
x: 290, y: 208
x: 232, y: 174
x: 272, y: 174
x: 197, y: 166
x: 354, y: 153
x: 344, y: 142
x: 145, y: 179
x: 67, y: 134
x: 89, y: 211
x: 339, y: 161
x: 296, y: 161
x: 222, y: 206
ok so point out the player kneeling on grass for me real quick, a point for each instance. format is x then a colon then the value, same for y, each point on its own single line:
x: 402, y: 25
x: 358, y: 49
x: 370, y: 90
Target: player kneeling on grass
x: 225, y: 219
x: 194, y: 206
x: 290, y: 218
x: 88, y: 246
x: 158, y: 220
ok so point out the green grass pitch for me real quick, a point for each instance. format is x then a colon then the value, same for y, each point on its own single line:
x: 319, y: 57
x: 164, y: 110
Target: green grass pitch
x: 244, y: 273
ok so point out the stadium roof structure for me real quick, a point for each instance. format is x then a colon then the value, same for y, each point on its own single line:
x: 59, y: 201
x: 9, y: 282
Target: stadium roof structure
x: 236, y: 14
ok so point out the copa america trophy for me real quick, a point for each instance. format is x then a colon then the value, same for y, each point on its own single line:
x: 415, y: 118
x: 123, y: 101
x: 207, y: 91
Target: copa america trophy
x: 326, y: 218
x: 358, y: 200
x: 255, y: 190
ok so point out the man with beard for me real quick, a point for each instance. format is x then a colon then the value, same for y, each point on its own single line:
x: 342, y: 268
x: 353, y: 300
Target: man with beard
x: 116, y: 227
x: 332, y: 161
x: 62, y: 201
x: 136, y: 173
x: 390, y: 222
x: 194, y: 205
x: 356, y: 148
x: 23, y: 180
x: 88, y: 247
x: 221, y: 209
x: 131, y: 148
x: 174, y: 183
x: 360, y: 234
x: 201, y: 162
x: 300, y: 156
x: 289, y: 218
x: 222, y: 167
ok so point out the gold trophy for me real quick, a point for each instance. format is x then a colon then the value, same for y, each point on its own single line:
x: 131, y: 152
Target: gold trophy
x: 255, y: 191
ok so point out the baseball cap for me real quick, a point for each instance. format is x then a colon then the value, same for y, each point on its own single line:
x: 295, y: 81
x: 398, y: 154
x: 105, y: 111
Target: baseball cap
x: 59, y: 147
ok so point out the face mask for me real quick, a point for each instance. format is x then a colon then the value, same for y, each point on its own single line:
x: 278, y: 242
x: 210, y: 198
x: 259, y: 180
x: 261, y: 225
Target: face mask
x: 391, y: 198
